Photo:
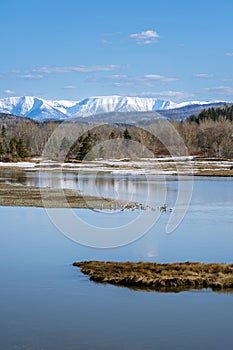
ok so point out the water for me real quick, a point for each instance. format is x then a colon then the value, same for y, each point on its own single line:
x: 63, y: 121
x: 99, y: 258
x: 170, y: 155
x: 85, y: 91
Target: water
x: 48, y: 304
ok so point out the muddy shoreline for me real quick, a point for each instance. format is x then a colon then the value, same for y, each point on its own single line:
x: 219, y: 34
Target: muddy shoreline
x: 175, y: 277
x: 28, y: 196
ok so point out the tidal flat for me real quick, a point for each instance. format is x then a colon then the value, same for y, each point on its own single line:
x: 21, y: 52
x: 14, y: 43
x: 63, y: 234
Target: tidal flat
x: 12, y: 195
x: 160, y: 277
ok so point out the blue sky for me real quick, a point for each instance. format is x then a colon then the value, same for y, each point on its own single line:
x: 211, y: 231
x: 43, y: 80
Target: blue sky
x: 177, y: 50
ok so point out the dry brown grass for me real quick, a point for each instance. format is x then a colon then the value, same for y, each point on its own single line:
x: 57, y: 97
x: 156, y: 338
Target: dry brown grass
x: 28, y: 196
x: 160, y: 277
x: 214, y: 172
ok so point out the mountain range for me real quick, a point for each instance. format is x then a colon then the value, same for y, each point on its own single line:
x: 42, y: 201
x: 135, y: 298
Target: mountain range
x: 40, y: 109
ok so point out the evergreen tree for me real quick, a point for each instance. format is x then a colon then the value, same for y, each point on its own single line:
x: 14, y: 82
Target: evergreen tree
x: 85, y: 147
x: 73, y: 151
x: 2, y: 151
x: 21, y: 149
x: 112, y: 135
x: 13, y: 147
x: 3, y: 132
x: 127, y: 135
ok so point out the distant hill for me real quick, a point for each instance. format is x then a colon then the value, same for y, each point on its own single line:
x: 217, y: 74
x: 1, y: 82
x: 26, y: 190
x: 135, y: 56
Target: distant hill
x: 145, y: 118
x: 11, y: 120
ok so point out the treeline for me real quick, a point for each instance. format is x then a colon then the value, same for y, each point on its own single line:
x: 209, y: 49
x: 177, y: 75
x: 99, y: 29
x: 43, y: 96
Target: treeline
x: 215, y: 114
x: 23, y: 140
x: 114, y: 141
x: 208, y: 134
x: 75, y: 141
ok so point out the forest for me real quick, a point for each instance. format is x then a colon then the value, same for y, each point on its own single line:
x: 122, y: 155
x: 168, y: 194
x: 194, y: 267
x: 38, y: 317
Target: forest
x: 207, y: 134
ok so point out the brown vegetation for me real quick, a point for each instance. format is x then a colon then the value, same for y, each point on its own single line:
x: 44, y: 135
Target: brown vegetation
x: 208, y: 134
x: 28, y: 196
x: 160, y: 277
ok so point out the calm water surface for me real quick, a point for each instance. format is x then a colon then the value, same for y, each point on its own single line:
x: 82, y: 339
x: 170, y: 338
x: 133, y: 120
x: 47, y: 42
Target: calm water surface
x: 48, y: 304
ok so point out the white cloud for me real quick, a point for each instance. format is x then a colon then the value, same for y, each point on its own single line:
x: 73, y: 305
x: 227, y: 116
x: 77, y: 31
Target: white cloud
x: 227, y: 80
x: 69, y: 87
x: 119, y: 76
x: 118, y: 80
x: 203, y: 75
x: 230, y: 54
x: 105, y: 42
x: 31, y: 76
x: 166, y: 95
x: 122, y: 80
x: 83, y: 69
x: 221, y: 90
x: 145, y: 38
x: 159, y: 78
x: 8, y: 92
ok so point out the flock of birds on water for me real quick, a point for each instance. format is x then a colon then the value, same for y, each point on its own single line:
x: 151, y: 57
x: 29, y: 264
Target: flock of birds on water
x: 135, y: 205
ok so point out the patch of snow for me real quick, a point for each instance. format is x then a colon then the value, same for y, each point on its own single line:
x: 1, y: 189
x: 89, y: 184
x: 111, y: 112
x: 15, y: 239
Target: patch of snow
x: 18, y: 164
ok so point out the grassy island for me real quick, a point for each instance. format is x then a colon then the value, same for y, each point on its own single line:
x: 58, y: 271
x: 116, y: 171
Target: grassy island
x: 160, y: 277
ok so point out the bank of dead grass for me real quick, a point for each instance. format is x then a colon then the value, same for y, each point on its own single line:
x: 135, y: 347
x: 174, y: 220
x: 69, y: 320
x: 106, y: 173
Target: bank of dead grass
x: 29, y: 196
x: 160, y: 277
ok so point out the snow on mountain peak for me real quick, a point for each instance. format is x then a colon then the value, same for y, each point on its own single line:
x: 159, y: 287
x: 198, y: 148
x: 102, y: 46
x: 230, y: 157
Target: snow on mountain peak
x: 41, y: 109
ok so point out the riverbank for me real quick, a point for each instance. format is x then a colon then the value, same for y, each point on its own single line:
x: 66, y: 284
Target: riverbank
x: 29, y: 196
x: 160, y: 277
x: 150, y: 166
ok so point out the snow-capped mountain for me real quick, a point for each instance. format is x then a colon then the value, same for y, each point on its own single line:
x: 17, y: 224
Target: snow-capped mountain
x: 41, y: 109
x: 107, y: 104
x: 35, y: 108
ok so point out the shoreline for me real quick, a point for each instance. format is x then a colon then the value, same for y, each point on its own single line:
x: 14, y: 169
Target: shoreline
x: 18, y: 195
x: 180, y: 166
x: 173, y: 277
x: 29, y: 196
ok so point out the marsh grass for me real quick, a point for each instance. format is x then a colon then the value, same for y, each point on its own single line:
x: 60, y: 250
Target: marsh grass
x: 29, y: 196
x: 160, y: 277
